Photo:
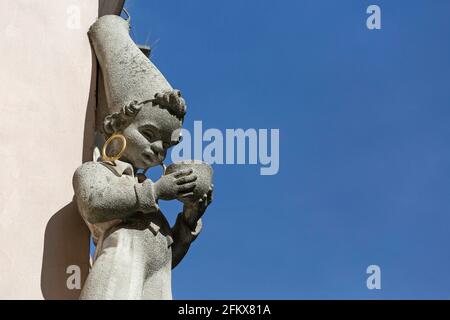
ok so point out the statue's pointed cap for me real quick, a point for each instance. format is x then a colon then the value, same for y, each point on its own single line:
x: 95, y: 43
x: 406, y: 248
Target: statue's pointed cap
x: 127, y: 73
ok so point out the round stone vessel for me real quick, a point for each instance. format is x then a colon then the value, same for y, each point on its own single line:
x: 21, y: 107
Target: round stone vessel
x: 201, y: 169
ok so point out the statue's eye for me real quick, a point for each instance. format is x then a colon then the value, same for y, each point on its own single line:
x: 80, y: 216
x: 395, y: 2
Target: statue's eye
x: 148, y: 134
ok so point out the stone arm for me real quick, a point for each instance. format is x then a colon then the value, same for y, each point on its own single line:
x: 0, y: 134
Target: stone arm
x: 188, y: 226
x: 102, y: 196
x: 183, y: 233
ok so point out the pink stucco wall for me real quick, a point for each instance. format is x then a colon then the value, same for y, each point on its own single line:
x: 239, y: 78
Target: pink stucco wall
x: 47, y: 100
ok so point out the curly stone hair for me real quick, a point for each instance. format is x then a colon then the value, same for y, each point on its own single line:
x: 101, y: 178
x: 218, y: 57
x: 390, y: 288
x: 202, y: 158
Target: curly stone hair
x: 170, y: 100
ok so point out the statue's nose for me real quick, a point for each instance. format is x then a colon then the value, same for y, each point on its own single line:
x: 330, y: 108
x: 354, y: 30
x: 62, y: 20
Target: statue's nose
x: 158, y: 149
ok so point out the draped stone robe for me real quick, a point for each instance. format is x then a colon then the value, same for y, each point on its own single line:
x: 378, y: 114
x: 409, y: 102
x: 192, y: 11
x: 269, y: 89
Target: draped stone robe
x: 136, y: 247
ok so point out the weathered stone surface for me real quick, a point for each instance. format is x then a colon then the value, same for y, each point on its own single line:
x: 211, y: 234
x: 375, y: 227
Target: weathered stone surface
x: 136, y: 246
x: 127, y: 73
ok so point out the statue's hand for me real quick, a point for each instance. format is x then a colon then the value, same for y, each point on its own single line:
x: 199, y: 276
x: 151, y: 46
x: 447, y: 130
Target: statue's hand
x: 193, y: 211
x: 175, y: 185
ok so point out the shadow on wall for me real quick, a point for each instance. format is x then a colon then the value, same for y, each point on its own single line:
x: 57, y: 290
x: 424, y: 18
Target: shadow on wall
x: 66, y: 240
x: 66, y: 249
x: 65, y: 263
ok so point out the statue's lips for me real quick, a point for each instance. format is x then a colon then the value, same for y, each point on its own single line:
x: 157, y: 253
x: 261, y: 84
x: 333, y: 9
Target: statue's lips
x: 149, y: 157
x: 152, y: 158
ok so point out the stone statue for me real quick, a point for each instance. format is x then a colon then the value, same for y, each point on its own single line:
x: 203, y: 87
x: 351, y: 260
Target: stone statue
x: 140, y: 120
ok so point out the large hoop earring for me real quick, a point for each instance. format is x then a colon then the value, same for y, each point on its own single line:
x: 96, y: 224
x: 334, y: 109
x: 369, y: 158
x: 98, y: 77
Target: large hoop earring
x: 105, y: 157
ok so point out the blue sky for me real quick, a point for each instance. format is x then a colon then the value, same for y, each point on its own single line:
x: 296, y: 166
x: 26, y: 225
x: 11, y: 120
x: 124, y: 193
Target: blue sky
x: 364, y: 144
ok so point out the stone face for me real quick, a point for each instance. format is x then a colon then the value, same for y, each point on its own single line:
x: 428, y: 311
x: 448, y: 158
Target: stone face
x: 136, y: 246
